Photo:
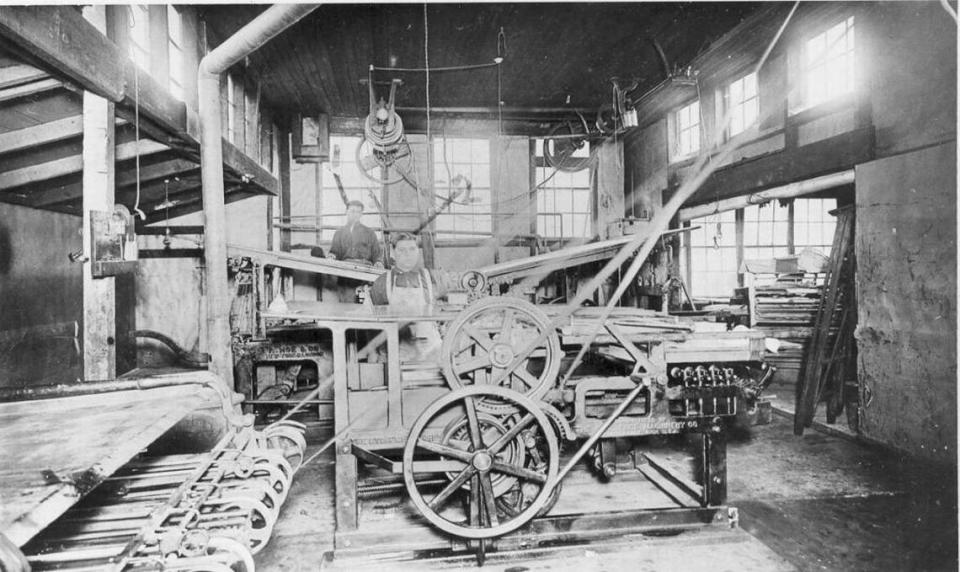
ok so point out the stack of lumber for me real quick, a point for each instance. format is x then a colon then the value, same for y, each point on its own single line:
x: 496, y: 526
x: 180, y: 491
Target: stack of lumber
x: 785, y: 308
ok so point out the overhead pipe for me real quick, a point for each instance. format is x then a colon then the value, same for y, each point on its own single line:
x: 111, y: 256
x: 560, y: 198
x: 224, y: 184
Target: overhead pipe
x: 258, y: 32
x: 789, y: 191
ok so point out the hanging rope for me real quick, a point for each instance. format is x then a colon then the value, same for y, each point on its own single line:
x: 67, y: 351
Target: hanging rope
x: 136, y: 123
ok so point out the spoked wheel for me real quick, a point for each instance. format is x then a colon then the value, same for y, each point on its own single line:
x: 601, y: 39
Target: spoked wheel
x: 487, y: 338
x: 483, y: 457
x: 385, y: 167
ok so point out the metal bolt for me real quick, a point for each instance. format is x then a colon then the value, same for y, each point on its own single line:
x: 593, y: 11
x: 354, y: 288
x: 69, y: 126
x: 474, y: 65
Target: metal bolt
x: 345, y: 449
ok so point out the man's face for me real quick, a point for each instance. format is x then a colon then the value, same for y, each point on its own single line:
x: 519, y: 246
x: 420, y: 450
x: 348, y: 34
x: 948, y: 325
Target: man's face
x: 406, y: 255
x: 353, y: 214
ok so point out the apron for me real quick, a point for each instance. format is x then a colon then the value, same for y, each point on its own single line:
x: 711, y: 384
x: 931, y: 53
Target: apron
x: 426, y: 341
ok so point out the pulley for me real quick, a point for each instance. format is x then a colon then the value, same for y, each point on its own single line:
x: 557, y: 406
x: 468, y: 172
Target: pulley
x: 383, y: 154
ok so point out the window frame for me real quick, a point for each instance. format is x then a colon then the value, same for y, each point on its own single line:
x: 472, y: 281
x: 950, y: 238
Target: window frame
x: 677, y: 130
x: 176, y: 55
x: 355, y: 187
x: 542, y: 171
x: 446, y: 222
x: 793, y: 246
x: 804, y: 69
x: 729, y: 106
x: 139, y: 29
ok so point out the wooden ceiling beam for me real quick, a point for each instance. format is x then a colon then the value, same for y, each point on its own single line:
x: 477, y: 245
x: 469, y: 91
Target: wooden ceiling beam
x: 159, y: 171
x: 249, y: 170
x: 28, y: 89
x: 159, y: 189
x: 42, y: 134
x: 12, y: 76
x: 194, y: 204
x: 61, y: 38
x: 70, y: 165
x: 49, y: 196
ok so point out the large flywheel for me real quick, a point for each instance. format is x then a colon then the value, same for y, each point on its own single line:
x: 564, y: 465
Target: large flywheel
x: 498, y: 469
x: 488, y: 343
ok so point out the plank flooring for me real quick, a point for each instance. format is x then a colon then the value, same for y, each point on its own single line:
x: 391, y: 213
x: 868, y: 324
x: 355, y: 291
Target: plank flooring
x: 819, y: 502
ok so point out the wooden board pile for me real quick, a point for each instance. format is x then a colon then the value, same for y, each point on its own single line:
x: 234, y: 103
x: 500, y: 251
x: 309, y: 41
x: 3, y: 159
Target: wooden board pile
x: 785, y: 309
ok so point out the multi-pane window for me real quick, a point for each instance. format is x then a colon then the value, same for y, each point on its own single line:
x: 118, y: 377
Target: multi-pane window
x: 178, y: 71
x: 766, y: 231
x: 563, y: 204
x: 686, y: 131
x: 828, y: 62
x: 743, y: 104
x: 767, y: 234
x: 461, y: 173
x: 563, y: 198
x: 713, y: 255
x: 356, y: 187
x: 140, y: 35
x: 813, y: 225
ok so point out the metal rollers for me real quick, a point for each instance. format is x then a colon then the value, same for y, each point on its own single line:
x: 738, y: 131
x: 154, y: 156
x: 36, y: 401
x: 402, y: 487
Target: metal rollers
x: 209, y: 511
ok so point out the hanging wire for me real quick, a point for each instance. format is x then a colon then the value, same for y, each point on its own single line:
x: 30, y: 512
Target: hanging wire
x: 501, y: 52
x: 426, y: 64
x: 136, y: 122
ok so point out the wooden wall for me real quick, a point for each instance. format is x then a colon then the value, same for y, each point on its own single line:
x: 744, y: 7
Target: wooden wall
x: 39, y: 287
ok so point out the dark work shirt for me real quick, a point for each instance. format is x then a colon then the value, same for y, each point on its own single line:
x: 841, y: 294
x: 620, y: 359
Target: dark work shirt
x: 356, y: 243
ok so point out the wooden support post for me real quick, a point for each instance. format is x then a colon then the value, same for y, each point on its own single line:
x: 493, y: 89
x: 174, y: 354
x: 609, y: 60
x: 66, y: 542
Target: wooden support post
x: 394, y: 388
x: 346, y: 462
x: 99, y: 295
x: 283, y: 147
x: 713, y: 467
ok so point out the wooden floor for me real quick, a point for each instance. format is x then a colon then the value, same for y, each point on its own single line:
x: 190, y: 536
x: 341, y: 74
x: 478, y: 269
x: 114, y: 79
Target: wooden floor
x: 818, y: 502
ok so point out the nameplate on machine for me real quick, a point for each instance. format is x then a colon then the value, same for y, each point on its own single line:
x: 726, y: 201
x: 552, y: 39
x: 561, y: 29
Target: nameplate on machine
x: 291, y: 351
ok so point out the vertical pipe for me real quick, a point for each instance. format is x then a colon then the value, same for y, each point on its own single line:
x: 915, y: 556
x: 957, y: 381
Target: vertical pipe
x: 255, y: 34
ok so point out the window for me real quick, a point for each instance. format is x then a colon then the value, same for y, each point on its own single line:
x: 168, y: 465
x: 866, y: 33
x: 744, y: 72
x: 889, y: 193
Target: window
x: 564, y: 205
x: 175, y: 49
x: 140, y: 35
x: 461, y: 173
x: 713, y: 256
x: 813, y: 225
x: 828, y: 64
x: 356, y: 186
x: 686, y: 131
x: 743, y: 104
x: 766, y: 231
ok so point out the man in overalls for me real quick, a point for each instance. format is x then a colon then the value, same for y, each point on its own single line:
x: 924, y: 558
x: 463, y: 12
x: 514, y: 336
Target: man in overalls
x: 409, y: 286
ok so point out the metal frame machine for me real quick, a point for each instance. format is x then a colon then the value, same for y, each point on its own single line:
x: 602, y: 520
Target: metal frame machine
x: 480, y: 439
